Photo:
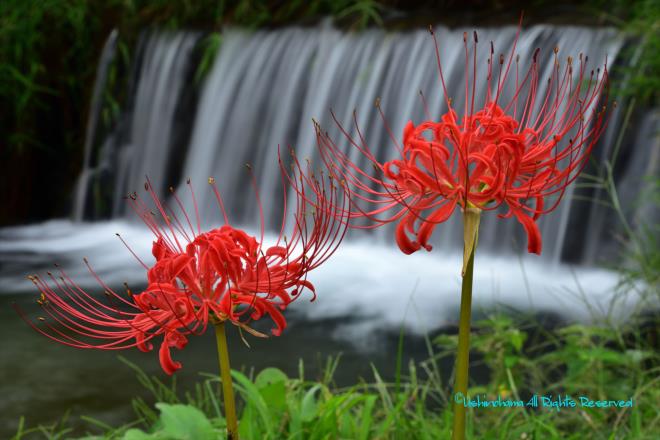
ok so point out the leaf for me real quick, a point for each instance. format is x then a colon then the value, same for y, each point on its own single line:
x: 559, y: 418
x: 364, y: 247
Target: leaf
x: 185, y: 422
x: 253, y: 397
x: 309, y: 406
x: 637, y: 356
x: 271, y: 383
x: 510, y: 361
x: 249, y: 426
x: 517, y: 339
x: 136, y: 434
x: 605, y: 355
x: 269, y: 376
x: 367, y: 417
x: 448, y: 341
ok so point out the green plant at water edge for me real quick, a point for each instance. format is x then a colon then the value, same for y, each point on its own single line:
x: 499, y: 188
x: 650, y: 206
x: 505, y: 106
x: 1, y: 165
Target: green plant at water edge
x: 26, y: 82
x: 364, y: 12
x: 522, y: 356
x: 210, y: 46
x: 640, y: 77
x: 598, y: 362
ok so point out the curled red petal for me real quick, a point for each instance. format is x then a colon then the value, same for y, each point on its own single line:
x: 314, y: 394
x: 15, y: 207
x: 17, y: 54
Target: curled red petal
x: 160, y: 249
x: 438, y: 216
x: 278, y: 319
x: 276, y: 250
x: 406, y: 245
x: 172, y: 339
x: 169, y: 366
x: 179, y: 263
x: 141, y: 344
x: 408, y: 131
x: 532, y: 229
x: 309, y: 286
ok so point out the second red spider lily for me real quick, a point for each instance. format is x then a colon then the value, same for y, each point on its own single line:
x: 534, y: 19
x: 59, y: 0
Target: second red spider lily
x: 514, y: 146
x: 222, y: 274
x: 199, y: 278
x: 517, y: 146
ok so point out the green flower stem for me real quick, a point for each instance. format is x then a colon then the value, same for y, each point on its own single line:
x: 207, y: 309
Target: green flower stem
x: 471, y: 228
x: 227, y: 389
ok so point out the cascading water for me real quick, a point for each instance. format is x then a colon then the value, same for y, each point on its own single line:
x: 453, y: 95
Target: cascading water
x: 107, y: 56
x: 266, y: 86
x: 147, y: 150
x: 143, y: 143
x: 263, y: 90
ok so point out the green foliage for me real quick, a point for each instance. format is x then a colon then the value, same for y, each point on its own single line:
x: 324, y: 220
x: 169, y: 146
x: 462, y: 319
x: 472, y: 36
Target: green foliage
x: 364, y: 12
x: 210, y: 46
x: 522, y: 357
x: 601, y: 362
x: 180, y: 422
x: 30, y: 30
x: 640, y: 78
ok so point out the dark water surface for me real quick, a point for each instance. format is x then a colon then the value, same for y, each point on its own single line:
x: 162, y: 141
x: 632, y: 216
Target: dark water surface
x: 41, y: 380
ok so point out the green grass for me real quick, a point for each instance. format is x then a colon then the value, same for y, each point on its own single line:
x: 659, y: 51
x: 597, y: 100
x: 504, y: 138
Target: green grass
x: 523, y: 358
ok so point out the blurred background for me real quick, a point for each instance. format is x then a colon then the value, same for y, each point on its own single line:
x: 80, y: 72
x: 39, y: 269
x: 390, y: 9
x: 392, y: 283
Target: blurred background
x: 94, y: 95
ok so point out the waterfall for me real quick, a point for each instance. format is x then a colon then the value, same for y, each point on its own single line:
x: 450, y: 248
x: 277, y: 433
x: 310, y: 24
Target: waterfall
x: 164, y: 77
x: 265, y: 87
x: 144, y: 142
x: 82, y: 186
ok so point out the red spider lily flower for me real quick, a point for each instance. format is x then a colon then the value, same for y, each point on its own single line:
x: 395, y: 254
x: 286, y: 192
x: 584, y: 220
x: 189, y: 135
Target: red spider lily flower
x: 223, y: 274
x: 521, y: 152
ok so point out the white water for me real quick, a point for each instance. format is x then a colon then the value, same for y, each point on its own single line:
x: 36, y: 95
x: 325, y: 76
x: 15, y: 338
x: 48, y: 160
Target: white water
x: 265, y: 87
x: 375, y: 284
x: 105, y: 60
